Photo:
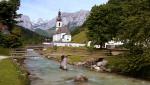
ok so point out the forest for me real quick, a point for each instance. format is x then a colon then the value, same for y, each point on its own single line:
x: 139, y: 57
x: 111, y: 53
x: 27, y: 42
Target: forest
x: 127, y: 21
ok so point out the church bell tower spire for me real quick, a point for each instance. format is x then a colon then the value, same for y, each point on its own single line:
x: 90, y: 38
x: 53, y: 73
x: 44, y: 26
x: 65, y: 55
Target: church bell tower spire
x: 59, y: 21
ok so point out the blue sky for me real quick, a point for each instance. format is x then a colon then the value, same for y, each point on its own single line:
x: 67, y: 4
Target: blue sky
x: 47, y: 9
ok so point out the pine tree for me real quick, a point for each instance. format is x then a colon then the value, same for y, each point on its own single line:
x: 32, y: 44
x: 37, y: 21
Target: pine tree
x: 8, y: 12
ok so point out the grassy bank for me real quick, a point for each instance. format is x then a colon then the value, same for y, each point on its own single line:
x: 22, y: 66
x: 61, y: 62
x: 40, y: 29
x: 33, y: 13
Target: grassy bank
x: 10, y: 74
x: 80, y: 37
x: 77, y: 54
x: 130, y: 65
x: 4, y: 51
x: 77, y: 51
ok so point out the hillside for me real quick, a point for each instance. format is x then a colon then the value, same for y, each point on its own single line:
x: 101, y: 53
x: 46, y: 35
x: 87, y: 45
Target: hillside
x: 43, y: 32
x: 29, y: 37
x: 79, y: 36
x: 18, y: 37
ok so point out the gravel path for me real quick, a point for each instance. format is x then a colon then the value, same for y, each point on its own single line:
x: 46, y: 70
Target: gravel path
x: 3, y: 57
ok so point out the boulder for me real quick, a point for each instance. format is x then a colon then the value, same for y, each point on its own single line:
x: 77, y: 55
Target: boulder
x: 80, y: 78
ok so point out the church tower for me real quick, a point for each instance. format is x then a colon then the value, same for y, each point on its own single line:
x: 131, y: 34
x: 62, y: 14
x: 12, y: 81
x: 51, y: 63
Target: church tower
x: 62, y: 33
x: 59, y: 21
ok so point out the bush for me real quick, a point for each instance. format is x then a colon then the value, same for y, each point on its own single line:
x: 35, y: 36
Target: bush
x: 133, y: 65
x: 55, y: 48
x: 10, y: 41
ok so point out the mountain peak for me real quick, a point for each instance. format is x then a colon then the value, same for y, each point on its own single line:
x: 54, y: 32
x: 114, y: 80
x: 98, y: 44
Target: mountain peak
x: 69, y: 19
x: 25, y: 22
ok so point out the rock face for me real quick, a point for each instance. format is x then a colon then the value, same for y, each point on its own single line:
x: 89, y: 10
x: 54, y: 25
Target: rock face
x: 41, y: 24
x: 25, y: 22
x: 75, y: 19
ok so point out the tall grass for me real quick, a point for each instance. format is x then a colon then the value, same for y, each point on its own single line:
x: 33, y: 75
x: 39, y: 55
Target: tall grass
x: 4, y: 51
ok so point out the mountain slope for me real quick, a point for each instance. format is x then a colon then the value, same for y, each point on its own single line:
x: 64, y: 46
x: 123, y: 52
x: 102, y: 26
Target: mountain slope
x: 30, y: 37
x: 80, y: 37
x: 43, y: 32
x: 69, y: 19
x: 25, y: 22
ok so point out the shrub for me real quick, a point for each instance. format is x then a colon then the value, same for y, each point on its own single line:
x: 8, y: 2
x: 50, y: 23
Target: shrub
x: 133, y: 65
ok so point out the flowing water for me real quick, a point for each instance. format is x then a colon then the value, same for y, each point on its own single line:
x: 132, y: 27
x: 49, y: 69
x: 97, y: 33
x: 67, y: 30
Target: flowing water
x: 47, y: 72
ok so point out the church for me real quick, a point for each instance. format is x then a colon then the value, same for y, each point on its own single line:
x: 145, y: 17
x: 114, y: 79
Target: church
x: 62, y: 33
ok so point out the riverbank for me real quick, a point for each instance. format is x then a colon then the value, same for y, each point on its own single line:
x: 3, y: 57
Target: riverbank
x: 47, y: 72
x: 82, y: 57
x: 12, y: 74
x: 78, y: 54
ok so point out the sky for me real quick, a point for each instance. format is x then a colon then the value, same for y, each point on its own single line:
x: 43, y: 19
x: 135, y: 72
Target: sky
x: 48, y: 9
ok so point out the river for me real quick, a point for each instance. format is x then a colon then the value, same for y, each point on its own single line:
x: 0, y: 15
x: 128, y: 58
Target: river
x: 47, y: 72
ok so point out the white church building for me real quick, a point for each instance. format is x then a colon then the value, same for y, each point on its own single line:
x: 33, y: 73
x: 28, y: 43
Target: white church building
x: 62, y: 34
x: 62, y: 37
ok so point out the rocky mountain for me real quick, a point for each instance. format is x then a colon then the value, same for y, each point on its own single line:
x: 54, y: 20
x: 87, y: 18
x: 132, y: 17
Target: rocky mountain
x: 25, y: 22
x: 75, y: 19
x: 47, y: 28
x: 69, y: 19
x: 40, y: 24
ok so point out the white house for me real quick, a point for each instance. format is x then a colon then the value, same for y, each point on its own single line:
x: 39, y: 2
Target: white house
x: 113, y: 44
x: 62, y: 33
x: 110, y: 44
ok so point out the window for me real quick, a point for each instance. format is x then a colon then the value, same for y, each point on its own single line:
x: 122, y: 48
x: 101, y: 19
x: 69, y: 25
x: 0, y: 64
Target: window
x: 59, y: 24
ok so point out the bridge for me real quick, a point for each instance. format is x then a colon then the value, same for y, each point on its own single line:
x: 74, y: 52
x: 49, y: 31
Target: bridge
x: 25, y: 52
x: 37, y: 48
x: 18, y: 53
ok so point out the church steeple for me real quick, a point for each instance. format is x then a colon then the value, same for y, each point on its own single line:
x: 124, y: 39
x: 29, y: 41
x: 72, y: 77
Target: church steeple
x: 59, y: 16
x: 59, y: 21
x: 62, y: 33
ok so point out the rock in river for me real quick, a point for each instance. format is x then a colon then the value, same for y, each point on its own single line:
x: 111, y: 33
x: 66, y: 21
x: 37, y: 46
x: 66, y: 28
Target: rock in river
x: 80, y: 78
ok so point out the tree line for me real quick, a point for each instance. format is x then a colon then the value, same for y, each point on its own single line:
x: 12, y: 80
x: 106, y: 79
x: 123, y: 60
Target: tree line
x: 8, y: 14
x: 127, y: 21
x: 16, y: 36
